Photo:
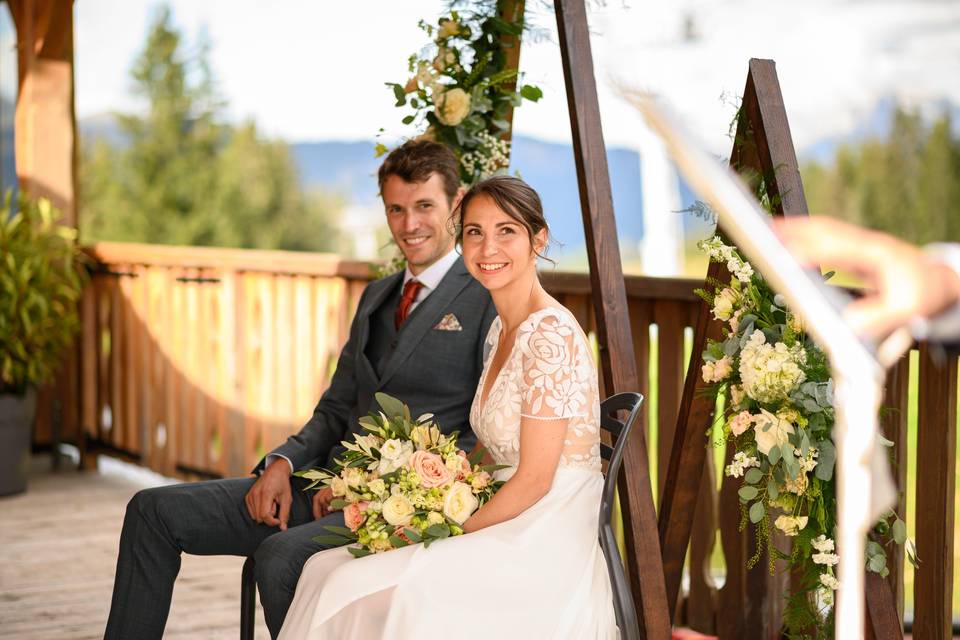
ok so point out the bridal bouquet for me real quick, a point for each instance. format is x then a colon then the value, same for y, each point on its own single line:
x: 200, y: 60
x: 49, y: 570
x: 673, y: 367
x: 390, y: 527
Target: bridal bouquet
x: 778, y: 397
x: 402, y: 482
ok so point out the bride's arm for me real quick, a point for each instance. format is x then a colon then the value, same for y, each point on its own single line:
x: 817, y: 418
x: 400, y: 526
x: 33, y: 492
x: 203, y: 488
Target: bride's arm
x: 541, y: 443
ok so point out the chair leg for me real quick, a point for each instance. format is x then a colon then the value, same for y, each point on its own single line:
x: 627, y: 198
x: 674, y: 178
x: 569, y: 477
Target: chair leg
x: 248, y: 604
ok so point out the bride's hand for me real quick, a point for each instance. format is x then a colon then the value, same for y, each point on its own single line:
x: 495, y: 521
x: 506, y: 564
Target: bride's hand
x: 321, y: 502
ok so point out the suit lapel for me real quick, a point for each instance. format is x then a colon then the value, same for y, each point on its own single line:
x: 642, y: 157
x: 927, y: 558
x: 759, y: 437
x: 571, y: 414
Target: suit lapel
x: 377, y: 296
x: 425, y: 316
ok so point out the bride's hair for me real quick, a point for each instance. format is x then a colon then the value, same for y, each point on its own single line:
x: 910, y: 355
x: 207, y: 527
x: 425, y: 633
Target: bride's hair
x: 514, y: 197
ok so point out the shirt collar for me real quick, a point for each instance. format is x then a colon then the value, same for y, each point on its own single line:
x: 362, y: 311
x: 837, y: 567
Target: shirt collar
x: 431, y: 276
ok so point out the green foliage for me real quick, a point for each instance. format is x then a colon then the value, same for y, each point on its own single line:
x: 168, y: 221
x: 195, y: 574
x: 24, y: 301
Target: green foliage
x: 187, y: 178
x: 907, y: 185
x: 40, y: 283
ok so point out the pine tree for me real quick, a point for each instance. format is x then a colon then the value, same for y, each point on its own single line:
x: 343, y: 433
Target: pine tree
x: 187, y: 178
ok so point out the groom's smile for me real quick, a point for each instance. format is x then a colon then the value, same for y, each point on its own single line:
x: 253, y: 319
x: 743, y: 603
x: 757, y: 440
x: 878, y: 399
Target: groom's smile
x: 418, y: 214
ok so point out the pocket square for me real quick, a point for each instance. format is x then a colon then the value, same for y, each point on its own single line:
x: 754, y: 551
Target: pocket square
x: 449, y: 323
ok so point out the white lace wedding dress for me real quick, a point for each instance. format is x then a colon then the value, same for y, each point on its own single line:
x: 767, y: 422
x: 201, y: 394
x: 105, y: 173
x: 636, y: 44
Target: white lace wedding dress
x: 539, y: 575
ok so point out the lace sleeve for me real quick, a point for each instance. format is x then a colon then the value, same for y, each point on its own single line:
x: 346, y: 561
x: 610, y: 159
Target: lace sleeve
x: 550, y: 388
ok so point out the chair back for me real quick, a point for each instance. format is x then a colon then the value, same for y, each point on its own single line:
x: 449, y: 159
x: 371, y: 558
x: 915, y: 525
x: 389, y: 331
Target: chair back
x: 619, y: 433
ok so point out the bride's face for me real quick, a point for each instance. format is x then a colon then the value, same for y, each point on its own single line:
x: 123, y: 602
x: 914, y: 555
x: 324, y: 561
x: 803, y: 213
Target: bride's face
x: 497, y: 248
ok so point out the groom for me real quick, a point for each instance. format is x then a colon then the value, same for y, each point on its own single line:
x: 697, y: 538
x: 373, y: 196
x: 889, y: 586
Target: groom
x: 417, y: 335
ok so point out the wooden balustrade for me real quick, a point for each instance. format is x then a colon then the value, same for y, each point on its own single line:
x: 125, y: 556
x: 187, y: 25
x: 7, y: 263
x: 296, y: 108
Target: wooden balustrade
x: 194, y: 362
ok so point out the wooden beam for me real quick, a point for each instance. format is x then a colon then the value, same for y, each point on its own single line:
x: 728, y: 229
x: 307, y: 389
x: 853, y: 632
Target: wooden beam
x: 45, y: 124
x: 610, y: 308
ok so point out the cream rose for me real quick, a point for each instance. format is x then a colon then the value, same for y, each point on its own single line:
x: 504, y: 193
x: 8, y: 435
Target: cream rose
x: 790, y: 525
x: 431, y: 468
x: 452, y: 106
x: 353, y: 515
x: 460, y: 503
x: 769, y: 431
x: 338, y: 487
x: 397, y: 510
x: 723, y: 304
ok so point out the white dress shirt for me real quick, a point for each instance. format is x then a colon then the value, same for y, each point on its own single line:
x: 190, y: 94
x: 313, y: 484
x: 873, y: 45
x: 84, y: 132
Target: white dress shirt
x: 430, y: 279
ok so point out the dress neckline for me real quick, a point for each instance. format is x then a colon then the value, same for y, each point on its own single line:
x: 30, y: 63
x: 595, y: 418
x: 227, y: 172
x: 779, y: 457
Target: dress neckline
x: 498, y: 323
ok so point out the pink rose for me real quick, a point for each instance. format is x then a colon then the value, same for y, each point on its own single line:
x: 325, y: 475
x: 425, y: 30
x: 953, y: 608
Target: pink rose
x: 430, y: 468
x: 480, y: 481
x: 741, y: 422
x: 353, y: 514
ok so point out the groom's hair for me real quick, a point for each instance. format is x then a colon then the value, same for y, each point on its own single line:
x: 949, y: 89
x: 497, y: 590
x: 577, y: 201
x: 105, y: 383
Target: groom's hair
x: 416, y: 160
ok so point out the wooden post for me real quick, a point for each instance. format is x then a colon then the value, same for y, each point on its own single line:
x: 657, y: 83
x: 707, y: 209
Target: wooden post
x: 936, y: 456
x: 610, y: 308
x: 511, y: 11
x: 45, y: 124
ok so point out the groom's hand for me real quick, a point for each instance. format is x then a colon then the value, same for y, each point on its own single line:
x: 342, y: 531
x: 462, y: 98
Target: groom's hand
x: 269, y: 499
x: 321, y: 502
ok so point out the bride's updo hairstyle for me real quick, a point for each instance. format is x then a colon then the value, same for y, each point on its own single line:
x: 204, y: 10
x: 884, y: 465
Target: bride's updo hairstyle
x: 514, y: 197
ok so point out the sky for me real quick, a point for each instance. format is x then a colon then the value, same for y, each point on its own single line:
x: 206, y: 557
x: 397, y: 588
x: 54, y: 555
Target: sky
x: 308, y: 70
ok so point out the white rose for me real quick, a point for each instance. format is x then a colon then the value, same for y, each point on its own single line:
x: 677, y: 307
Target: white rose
x: 790, y: 525
x: 452, y: 106
x: 397, y: 510
x: 769, y: 431
x: 460, y: 503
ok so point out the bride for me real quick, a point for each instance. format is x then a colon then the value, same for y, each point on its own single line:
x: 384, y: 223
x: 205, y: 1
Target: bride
x: 529, y: 564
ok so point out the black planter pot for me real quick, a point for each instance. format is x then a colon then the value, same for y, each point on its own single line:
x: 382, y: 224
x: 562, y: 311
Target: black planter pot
x: 16, y: 422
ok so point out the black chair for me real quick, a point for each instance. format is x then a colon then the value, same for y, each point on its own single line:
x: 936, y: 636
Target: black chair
x: 619, y: 432
x: 622, y: 595
x: 248, y: 601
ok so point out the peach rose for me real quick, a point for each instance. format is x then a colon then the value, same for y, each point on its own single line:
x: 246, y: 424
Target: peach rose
x: 431, y: 469
x: 353, y: 514
x: 465, y: 468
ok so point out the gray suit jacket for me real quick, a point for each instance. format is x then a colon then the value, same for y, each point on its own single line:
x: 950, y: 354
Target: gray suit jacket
x: 432, y: 370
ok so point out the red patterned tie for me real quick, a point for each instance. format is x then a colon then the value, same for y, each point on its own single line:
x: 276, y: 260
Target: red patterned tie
x: 410, y: 291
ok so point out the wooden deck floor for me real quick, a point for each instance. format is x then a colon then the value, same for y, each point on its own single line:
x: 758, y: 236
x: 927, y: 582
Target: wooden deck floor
x: 58, y: 551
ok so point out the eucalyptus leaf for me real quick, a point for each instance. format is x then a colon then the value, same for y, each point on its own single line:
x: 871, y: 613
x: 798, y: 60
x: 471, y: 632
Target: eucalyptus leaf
x: 774, y: 454
x: 825, y: 461
x: 757, y: 511
x: 438, y: 531
x: 753, y: 475
x: 747, y: 493
x: 899, y: 531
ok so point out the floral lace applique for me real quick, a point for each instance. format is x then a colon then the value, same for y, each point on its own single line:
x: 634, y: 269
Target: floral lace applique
x: 548, y: 375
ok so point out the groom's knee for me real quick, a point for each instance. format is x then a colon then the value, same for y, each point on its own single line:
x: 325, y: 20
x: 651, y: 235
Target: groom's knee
x: 279, y: 560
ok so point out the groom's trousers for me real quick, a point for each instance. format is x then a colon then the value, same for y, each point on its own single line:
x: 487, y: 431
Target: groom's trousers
x: 205, y: 518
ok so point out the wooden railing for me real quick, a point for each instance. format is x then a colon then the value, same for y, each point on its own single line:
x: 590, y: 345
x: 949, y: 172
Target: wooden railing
x: 195, y: 362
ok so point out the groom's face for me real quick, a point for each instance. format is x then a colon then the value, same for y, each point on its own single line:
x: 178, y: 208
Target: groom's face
x: 418, y: 214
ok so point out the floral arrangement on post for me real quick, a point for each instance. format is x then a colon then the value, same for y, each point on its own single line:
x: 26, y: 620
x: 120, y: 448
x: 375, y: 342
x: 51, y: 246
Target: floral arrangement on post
x: 402, y: 483
x: 461, y: 91
x: 779, y: 417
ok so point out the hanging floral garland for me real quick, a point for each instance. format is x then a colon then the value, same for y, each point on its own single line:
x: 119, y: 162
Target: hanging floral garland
x: 461, y: 91
x: 779, y: 412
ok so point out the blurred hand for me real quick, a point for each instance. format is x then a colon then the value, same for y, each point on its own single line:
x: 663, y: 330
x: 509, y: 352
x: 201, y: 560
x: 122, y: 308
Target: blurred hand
x: 902, y: 282
x: 321, y: 502
x: 270, y: 497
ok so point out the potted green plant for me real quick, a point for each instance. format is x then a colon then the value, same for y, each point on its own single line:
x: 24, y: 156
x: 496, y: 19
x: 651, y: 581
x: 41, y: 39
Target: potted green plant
x: 41, y: 279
